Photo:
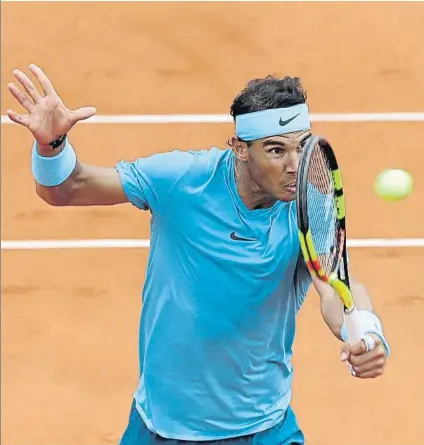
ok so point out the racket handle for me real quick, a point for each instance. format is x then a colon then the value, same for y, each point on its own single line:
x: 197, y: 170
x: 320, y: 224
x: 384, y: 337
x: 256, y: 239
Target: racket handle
x: 354, y: 331
x: 353, y: 326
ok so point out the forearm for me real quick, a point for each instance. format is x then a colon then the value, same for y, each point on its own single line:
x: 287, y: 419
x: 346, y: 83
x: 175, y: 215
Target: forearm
x: 332, y: 307
x: 62, y: 180
x: 60, y: 194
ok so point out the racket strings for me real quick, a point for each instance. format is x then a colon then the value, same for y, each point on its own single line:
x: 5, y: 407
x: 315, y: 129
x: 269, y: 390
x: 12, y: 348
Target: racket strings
x: 322, y: 211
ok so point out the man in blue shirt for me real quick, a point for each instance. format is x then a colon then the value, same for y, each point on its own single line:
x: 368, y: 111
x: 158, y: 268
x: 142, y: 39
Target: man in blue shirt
x: 225, y: 277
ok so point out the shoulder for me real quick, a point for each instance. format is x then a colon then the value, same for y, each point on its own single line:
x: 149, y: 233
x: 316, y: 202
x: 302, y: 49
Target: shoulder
x: 175, y: 163
x: 149, y: 181
x: 192, y: 165
x: 209, y: 158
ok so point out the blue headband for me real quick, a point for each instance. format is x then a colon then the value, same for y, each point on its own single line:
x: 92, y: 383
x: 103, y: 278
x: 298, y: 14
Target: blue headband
x: 261, y: 124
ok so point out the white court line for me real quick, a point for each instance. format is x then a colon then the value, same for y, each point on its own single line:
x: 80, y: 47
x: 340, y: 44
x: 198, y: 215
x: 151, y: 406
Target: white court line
x: 297, y: 1
x: 145, y: 243
x: 75, y: 244
x: 226, y: 118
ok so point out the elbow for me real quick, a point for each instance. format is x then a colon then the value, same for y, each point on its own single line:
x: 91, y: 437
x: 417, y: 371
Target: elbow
x: 51, y: 198
x: 65, y: 193
x: 57, y: 203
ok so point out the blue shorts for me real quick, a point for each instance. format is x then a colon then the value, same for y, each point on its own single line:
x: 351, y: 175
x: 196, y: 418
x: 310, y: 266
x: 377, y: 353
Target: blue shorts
x: 286, y: 432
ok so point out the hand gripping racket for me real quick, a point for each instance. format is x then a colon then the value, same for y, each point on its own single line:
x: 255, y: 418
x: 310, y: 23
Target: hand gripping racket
x: 321, y: 217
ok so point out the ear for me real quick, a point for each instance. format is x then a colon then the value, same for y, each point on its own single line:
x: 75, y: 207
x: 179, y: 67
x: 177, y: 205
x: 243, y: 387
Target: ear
x: 240, y: 149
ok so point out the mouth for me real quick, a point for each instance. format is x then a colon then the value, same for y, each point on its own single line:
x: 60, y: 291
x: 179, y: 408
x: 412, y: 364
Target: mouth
x: 291, y: 187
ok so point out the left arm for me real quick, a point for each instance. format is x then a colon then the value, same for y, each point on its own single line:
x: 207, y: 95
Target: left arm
x: 366, y: 363
x: 332, y: 307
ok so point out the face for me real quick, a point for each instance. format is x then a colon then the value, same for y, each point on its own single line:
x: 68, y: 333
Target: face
x: 273, y: 163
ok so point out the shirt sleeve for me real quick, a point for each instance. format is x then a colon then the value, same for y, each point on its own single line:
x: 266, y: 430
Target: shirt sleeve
x: 148, y: 181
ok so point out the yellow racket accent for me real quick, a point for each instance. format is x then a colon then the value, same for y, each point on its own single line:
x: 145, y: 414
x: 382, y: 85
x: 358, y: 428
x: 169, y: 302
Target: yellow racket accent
x: 342, y: 291
x: 311, y: 247
x: 337, y: 179
x: 339, y: 200
x: 340, y: 206
x: 314, y: 258
x: 303, y: 246
x: 314, y: 266
x: 305, y: 253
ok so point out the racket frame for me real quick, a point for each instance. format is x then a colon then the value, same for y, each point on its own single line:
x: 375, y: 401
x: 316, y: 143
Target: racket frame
x: 339, y: 278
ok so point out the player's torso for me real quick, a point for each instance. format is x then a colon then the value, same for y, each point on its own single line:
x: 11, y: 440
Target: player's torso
x: 219, y: 306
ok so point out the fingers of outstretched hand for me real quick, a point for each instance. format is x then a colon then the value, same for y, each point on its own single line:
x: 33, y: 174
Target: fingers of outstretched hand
x: 20, y: 97
x: 44, y: 81
x: 62, y: 116
x: 82, y: 114
x: 18, y: 118
x: 27, y: 83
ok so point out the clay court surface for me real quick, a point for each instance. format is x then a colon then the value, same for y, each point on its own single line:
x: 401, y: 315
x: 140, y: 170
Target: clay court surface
x: 70, y: 317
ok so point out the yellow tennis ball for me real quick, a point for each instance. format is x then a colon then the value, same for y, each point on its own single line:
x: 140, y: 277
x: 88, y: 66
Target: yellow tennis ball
x: 393, y: 185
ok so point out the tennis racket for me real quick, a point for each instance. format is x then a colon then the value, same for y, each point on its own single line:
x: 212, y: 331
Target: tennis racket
x: 321, y: 217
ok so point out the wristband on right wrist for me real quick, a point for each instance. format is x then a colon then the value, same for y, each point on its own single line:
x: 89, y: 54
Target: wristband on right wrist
x: 53, y: 171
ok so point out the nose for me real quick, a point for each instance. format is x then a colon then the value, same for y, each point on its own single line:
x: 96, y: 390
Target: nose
x: 292, y: 163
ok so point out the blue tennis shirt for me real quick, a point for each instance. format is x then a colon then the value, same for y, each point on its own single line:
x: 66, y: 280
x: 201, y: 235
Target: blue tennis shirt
x: 223, y: 285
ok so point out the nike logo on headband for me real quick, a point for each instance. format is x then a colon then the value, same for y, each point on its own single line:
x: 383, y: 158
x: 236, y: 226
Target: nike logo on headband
x: 283, y: 123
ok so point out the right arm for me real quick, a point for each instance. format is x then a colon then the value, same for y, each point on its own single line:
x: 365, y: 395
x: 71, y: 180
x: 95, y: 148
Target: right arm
x: 47, y: 119
x: 86, y: 186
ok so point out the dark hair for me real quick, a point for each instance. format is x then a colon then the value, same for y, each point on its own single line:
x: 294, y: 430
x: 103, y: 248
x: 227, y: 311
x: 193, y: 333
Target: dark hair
x: 267, y: 93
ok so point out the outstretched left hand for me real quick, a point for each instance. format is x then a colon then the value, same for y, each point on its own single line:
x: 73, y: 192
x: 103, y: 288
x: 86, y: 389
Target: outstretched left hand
x: 366, y: 364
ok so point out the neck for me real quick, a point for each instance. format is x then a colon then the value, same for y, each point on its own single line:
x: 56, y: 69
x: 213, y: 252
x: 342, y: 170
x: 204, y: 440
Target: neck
x: 250, y: 192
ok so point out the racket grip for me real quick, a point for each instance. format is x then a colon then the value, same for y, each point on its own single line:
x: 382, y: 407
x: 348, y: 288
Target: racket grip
x: 353, y: 326
x: 354, y: 331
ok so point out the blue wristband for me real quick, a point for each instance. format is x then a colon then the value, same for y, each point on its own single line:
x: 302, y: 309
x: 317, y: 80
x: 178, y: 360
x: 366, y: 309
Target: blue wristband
x: 370, y: 324
x: 52, y: 171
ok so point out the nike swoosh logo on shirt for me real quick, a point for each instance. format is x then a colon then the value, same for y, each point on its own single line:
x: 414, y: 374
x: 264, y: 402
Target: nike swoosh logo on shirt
x: 282, y: 123
x: 238, y: 238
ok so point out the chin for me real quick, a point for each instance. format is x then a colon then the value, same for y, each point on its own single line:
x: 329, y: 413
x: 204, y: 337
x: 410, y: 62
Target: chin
x: 286, y: 197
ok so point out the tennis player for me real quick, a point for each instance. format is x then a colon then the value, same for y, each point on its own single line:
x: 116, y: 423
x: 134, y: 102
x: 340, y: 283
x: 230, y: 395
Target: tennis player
x: 225, y: 278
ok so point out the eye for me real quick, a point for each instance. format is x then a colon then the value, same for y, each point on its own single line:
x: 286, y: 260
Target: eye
x: 277, y: 150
